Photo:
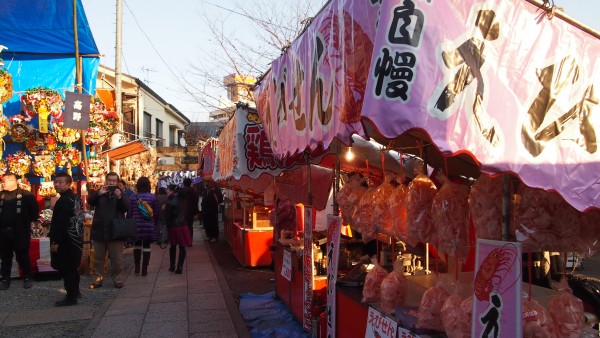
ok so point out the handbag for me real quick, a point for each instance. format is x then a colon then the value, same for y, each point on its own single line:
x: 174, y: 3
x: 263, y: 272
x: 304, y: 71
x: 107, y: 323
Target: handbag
x: 144, y: 208
x: 123, y: 228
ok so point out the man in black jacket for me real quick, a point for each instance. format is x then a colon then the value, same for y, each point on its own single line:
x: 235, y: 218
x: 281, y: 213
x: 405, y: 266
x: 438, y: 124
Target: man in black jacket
x: 109, y: 203
x: 210, y: 211
x: 66, y: 237
x: 18, y: 208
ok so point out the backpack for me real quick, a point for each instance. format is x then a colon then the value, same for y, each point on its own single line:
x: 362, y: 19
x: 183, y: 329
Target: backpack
x: 144, y: 209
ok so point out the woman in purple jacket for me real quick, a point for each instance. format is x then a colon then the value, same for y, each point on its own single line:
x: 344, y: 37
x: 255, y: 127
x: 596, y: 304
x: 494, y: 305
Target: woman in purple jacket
x: 146, y: 228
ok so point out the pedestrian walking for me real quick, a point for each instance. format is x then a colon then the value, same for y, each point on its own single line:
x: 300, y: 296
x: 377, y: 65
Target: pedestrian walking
x: 66, y: 237
x: 18, y: 208
x: 210, y: 211
x: 147, y: 228
x: 179, y: 233
x: 191, y: 197
x: 109, y: 203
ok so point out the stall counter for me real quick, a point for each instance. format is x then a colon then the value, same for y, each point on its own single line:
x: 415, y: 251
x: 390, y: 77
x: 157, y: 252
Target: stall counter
x: 292, y: 292
x: 251, y: 246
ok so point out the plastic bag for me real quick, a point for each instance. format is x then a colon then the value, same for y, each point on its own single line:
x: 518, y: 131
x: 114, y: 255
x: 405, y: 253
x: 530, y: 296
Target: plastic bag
x: 536, y: 320
x: 421, y: 227
x: 566, y: 311
x: 456, y: 316
x: 372, y: 287
x: 393, y: 289
x: 381, y: 217
x: 430, y: 310
x: 397, y: 207
x: 485, y: 201
x: 450, y: 213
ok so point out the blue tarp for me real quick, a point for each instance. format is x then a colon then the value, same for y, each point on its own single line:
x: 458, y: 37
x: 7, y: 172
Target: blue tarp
x: 44, y: 27
x: 41, y: 50
x: 269, y: 317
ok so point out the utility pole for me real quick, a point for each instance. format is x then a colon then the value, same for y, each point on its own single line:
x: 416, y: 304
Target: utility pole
x: 118, y: 87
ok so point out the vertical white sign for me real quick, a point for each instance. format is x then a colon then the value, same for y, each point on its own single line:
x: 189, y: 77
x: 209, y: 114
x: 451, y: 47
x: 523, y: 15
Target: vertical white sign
x: 307, y: 263
x: 286, y: 267
x: 334, y: 224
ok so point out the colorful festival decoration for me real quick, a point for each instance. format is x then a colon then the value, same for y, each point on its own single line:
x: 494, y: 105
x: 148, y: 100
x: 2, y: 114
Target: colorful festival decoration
x: 64, y: 135
x: 44, y: 167
x: 19, y: 163
x: 6, y: 86
x: 41, y: 144
x: 42, y: 101
x: 47, y: 190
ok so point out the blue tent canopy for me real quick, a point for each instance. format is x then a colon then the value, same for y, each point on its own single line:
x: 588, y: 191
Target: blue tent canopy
x: 41, y: 50
x: 44, y: 27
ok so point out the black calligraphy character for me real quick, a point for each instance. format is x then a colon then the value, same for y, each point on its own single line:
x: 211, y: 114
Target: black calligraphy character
x: 470, y: 57
x: 324, y: 110
x: 555, y: 79
x: 281, y: 104
x: 491, y: 319
x: 296, y: 103
x: 396, y: 72
x: 403, y: 19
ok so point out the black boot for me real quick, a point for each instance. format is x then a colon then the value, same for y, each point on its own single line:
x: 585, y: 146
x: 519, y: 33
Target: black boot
x: 181, y: 260
x: 145, y: 261
x: 137, y: 254
x: 172, y: 258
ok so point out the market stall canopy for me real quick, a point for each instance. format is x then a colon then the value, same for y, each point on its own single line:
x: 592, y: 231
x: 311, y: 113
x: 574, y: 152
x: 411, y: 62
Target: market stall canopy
x: 460, y: 72
x: 125, y: 150
x: 44, y: 27
x: 245, y: 160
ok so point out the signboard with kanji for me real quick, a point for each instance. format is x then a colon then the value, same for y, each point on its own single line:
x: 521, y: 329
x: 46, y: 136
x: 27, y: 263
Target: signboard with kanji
x: 77, y: 111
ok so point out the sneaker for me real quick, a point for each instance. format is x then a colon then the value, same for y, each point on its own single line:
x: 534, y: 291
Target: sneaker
x: 65, y: 302
x: 5, y: 284
x: 27, y: 283
x: 118, y: 285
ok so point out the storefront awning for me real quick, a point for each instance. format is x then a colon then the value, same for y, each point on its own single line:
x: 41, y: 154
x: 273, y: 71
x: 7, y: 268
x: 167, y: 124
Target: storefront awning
x: 126, y: 150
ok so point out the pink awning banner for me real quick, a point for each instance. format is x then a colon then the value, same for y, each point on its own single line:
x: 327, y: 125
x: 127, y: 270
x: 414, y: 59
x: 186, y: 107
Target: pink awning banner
x: 314, y: 91
x: 498, y: 79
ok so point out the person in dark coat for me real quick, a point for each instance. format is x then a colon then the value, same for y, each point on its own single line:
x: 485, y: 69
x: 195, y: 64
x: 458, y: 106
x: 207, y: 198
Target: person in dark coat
x: 179, y: 233
x: 210, y: 211
x: 191, y: 196
x: 18, y: 208
x: 161, y: 200
x: 146, y: 228
x: 109, y: 203
x: 66, y: 237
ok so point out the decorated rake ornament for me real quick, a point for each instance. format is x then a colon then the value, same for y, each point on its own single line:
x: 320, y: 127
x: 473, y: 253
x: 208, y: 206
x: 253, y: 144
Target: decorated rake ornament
x: 67, y: 157
x: 42, y: 102
x: 41, y: 144
x: 6, y: 86
x: 44, y: 166
x: 19, y: 163
x: 64, y: 135
x: 4, y: 127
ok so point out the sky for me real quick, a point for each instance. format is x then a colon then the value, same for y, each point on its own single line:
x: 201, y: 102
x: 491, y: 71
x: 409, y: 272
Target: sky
x: 162, y: 40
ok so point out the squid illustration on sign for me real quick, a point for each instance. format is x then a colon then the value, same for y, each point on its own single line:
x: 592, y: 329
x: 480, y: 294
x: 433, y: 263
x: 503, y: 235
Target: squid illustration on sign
x: 493, y: 271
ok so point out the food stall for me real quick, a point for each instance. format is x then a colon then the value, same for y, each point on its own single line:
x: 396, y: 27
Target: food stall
x: 454, y: 96
x: 245, y: 166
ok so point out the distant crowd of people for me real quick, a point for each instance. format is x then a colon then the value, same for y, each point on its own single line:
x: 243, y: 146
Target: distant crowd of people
x: 172, y: 208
